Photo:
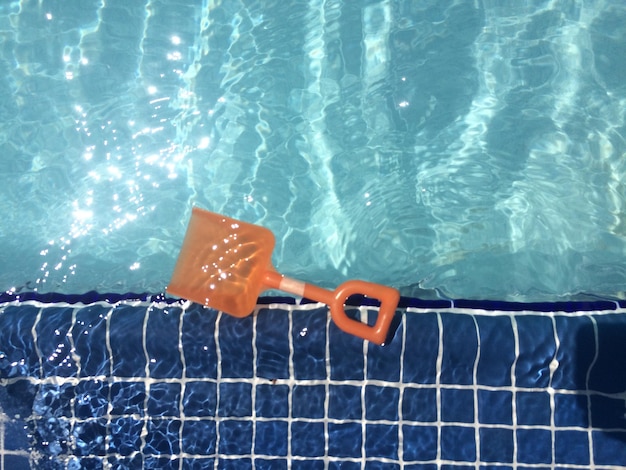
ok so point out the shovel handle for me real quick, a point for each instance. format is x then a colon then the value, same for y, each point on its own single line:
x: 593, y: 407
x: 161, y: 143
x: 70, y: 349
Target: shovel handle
x: 388, y: 297
x: 336, y: 300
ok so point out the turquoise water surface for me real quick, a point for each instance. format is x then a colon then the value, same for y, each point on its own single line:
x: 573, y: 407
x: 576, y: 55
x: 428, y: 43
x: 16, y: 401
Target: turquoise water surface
x: 447, y: 148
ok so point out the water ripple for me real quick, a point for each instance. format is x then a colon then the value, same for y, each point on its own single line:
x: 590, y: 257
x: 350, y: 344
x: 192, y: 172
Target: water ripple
x: 447, y: 146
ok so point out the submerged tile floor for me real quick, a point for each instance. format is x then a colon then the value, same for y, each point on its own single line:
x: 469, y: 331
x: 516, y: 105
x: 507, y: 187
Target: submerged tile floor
x: 155, y: 384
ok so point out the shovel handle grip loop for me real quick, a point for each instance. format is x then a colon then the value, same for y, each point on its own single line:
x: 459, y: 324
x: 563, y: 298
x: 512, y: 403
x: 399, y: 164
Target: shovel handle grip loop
x: 376, y: 333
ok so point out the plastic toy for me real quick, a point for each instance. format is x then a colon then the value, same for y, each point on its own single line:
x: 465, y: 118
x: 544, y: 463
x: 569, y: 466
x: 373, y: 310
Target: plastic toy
x: 225, y: 264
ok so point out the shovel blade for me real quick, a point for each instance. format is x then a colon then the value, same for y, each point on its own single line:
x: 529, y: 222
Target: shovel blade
x: 222, y: 263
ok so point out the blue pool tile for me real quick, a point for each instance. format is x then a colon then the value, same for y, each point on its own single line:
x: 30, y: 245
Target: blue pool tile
x: 235, y: 464
x: 497, y: 351
x: 496, y: 445
x: 272, y: 401
x: 422, y: 467
x: 607, y: 412
x: 571, y: 447
x: 576, y: 353
x: 235, y: 399
x: 307, y: 465
x: 235, y: 343
x: 419, y: 443
x: 51, y: 437
x: 198, y: 339
x: 533, y: 408
x: 345, y: 439
x: 86, y: 463
x: 570, y: 410
x: 54, y: 343
x: 125, y: 436
x: 460, y: 346
x: 608, y: 447
x: 337, y: 335
x: 126, y: 339
x: 534, y: 446
x: 198, y: 463
x: 199, y: 437
x: 162, y: 437
x: 344, y: 465
x: 57, y: 400
x: 495, y: 407
x: 21, y: 398
x: 419, y: 405
x: 271, y: 438
x: 15, y: 434
x: 537, y: 349
x: 127, y: 398
x: 92, y: 399
x: 126, y: 463
x: 308, y: 401
x: 457, y: 406
x: 309, y: 344
x: 376, y: 465
x: 347, y: 361
x: 272, y: 344
x: 18, y: 356
x: 611, y: 355
x: 307, y: 439
x: 344, y: 402
x: 16, y: 462
x: 381, y: 440
x: 89, y: 334
x: 162, y: 342
x: 270, y: 464
x: 235, y: 437
x: 160, y: 463
x: 458, y: 443
x: 383, y: 363
x: 200, y: 399
x: 422, y: 345
x: 381, y: 403
x: 89, y: 437
x: 163, y: 399
x: 232, y: 464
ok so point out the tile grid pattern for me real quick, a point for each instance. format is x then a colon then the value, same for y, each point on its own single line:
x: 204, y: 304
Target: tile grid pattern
x: 187, y: 387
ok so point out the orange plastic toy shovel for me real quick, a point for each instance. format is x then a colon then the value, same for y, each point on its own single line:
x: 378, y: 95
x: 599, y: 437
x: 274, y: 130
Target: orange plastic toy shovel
x: 225, y: 264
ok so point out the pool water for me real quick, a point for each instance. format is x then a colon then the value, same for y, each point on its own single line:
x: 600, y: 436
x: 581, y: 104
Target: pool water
x: 451, y: 149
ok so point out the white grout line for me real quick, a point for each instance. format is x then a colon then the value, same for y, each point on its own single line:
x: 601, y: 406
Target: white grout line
x: 438, y: 386
x: 107, y: 340
x: 596, y: 354
x: 552, y: 367
x: 183, y: 379
x: 327, y: 389
x: 475, y: 393
x: 255, y: 316
x: 401, y: 394
x: 36, y: 340
x: 291, y: 380
x: 363, y: 402
x: 514, y: 393
x: 3, y: 430
x: 148, y: 382
x: 218, y: 353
